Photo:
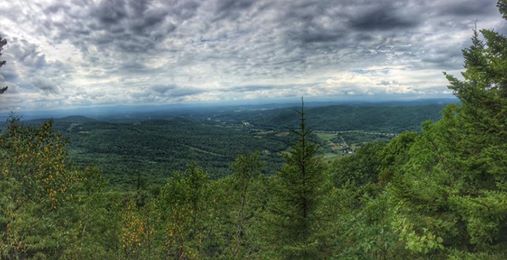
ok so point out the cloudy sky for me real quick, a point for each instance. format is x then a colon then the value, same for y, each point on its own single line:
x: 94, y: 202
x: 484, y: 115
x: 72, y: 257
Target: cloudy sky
x: 86, y: 52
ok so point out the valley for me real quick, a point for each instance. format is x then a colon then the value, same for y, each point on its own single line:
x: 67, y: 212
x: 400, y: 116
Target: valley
x: 152, y: 146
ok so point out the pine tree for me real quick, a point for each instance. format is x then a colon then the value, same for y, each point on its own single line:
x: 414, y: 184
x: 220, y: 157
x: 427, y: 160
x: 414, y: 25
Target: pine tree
x: 293, y: 218
x: 502, y: 6
x: 451, y: 195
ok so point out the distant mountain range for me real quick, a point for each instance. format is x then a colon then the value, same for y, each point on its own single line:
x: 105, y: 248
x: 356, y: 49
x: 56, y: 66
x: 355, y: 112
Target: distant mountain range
x: 146, y: 111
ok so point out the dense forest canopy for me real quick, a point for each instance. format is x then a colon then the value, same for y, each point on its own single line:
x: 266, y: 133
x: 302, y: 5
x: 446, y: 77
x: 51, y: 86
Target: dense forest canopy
x: 153, y: 145
x: 439, y: 193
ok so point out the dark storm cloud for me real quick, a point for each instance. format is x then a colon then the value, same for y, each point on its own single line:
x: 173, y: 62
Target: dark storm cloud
x: 307, y: 24
x: 468, y: 8
x: 113, y: 12
x: 382, y: 18
x: 231, y: 9
x: 108, y: 51
x: 127, y: 26
x: 452, y: 59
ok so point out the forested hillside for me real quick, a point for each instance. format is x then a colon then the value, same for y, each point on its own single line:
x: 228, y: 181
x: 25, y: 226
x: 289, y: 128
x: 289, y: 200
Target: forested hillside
x: 154, y: 148
x: 127, y: 148
x: 440, y: 193
x: 369, y: 117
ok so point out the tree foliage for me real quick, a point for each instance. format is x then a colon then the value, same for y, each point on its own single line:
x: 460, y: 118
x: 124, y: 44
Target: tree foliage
x: 294, y: 217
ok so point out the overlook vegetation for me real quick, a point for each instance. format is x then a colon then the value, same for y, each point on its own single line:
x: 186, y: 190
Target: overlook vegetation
x: 434, y: 194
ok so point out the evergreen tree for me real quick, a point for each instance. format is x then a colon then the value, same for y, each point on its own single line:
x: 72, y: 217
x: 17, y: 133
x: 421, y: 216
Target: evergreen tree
x: 245, y: 201
x: 502, y: 6
x: 451, y: 195
x: 294, y: 219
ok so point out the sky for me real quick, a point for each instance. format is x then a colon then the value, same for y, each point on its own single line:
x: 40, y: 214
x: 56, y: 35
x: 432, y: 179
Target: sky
x: 80, y: 53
